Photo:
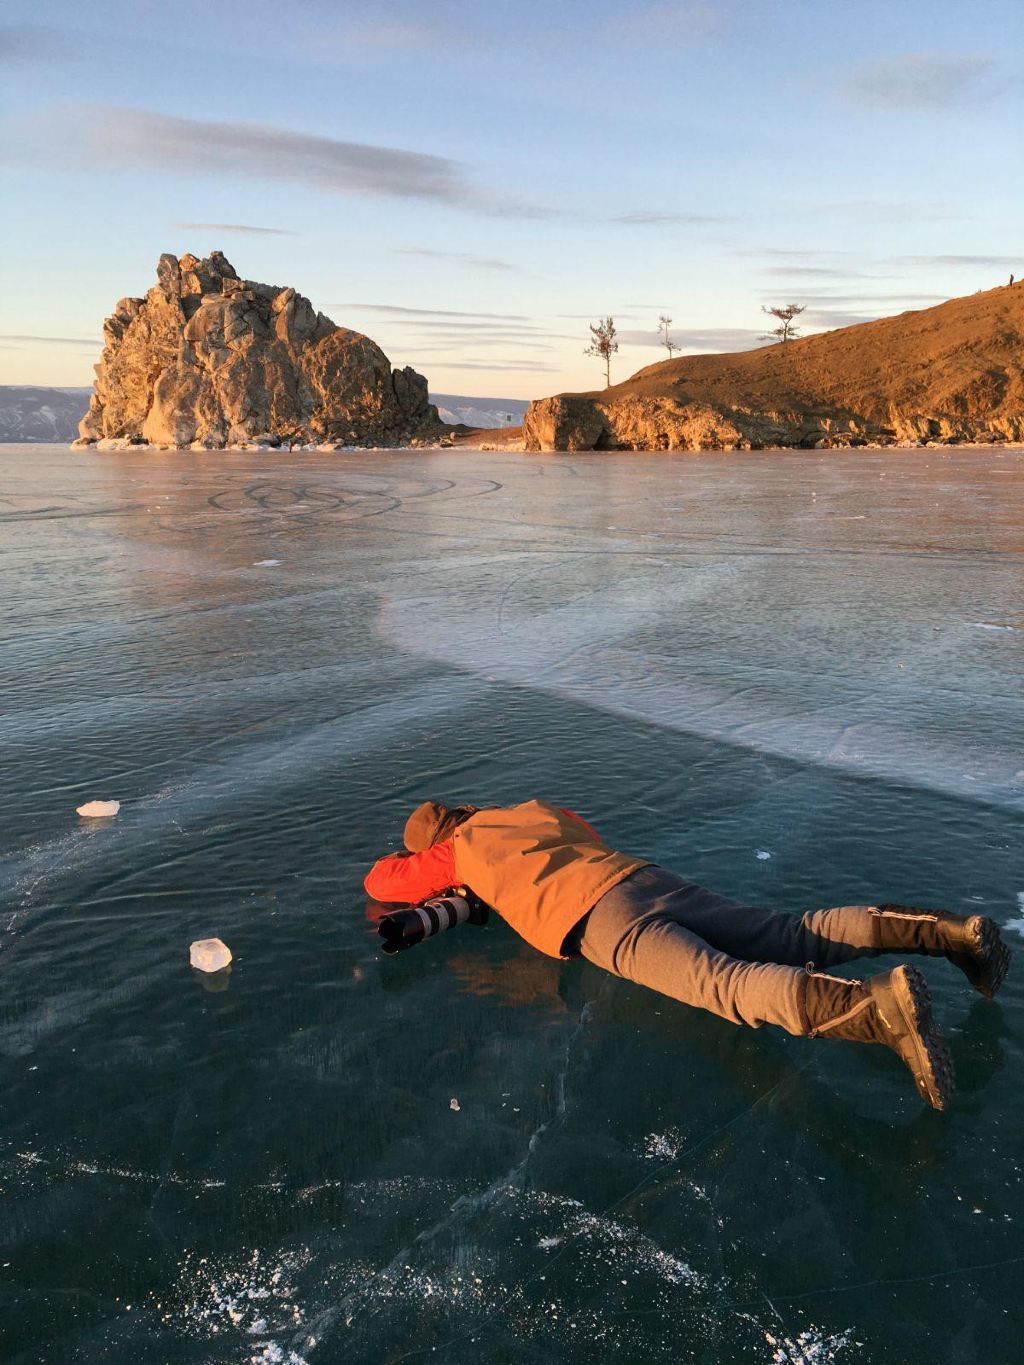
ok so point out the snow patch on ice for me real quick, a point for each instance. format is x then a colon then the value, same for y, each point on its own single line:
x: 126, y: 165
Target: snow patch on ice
x: 1016, y: 926
x: 662, y: 1146
x: 255, y: 1296
x: 995, y: 625
x: 810, y: 1347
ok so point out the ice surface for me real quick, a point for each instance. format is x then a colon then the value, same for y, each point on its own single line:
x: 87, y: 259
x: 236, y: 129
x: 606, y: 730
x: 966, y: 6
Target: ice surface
x: 209, y: 954
x: 98, y: 809
x: 701, y: 658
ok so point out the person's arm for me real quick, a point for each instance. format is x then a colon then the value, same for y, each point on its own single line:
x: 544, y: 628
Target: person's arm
x: 408, y: 878
x: 580, y: 821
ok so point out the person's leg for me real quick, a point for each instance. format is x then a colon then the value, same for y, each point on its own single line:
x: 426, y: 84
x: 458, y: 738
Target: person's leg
x: 628, y: 936
x: 829, y: 938
x: 825, y: 937
x: 643, y: 944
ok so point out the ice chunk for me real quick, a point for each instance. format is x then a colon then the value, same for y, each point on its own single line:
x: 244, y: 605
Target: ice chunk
x: 266, y: 563
x: 454, y: 1105
x: 98, y: 809
x: 209, y: 954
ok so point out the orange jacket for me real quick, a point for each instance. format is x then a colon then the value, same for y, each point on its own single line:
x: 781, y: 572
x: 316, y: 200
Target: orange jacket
x: 540, y: 867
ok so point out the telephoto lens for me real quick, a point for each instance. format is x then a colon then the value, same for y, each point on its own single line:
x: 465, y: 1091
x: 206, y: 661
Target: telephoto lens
x: 405, y: 928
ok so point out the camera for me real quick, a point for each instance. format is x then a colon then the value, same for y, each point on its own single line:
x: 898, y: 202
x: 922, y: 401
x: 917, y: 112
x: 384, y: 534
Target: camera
x: 403, y: 929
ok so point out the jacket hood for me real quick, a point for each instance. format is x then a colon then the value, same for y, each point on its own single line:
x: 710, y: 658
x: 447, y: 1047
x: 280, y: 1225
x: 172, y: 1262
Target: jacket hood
x: 432, y: 822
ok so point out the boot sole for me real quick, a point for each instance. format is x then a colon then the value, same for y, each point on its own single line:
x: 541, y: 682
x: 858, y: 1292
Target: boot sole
x: 989, y: 958
x: 934, y: 1074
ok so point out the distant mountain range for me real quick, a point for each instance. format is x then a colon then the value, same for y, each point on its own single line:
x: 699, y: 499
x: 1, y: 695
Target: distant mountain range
x: 480, y: 412
x: 51, y: 416
x: 41, y: 414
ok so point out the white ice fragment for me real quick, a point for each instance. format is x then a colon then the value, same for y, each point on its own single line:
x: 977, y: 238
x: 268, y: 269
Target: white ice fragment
x: 267, y: 563
x: 98, y: 809
x: 454, y: 1104
x: 762, y: 855
x: 209, y: 954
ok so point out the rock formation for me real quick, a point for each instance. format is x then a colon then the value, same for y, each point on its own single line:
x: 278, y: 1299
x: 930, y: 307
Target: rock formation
x: 953, y: 373
x: 207, y: 360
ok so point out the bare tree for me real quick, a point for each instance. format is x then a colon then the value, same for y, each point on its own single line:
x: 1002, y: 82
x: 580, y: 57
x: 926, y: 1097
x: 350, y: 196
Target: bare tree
x: 786, y: 331
x: 604, y: 345
x: 667, y: 342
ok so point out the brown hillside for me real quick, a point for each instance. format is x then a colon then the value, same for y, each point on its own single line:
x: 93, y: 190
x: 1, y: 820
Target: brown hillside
x: 954, y: 372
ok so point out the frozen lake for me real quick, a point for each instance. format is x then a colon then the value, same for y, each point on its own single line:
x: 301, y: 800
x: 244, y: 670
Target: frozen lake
x: 796, y: 678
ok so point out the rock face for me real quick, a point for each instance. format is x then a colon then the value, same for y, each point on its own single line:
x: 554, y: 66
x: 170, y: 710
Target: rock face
x: 207, y: 359
x: 953, y: 373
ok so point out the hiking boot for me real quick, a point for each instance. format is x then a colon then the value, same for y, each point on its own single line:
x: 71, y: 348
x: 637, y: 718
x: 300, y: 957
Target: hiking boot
x: 893, y: 1009
x: 971, y: 942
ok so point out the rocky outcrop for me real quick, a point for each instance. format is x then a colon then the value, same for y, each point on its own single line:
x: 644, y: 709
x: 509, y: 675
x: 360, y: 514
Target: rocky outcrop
x: 207, y: 360
x: 953, y: 373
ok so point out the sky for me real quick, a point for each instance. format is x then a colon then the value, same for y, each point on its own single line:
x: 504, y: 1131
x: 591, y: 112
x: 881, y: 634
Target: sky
x: 472, y: 183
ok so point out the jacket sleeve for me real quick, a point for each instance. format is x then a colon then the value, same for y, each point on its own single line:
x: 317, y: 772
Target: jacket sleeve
x: 580, y: 821
x: 408, y: 878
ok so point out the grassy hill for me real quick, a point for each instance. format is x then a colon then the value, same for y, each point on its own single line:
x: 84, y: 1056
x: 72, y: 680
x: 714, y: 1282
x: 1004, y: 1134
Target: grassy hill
x: 954, y: 372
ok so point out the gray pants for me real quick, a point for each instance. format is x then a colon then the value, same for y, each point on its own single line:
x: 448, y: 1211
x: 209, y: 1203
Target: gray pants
x: 742, y: 963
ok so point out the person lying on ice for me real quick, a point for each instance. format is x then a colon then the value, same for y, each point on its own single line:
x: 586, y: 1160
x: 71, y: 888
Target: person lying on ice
x: 550, y: 876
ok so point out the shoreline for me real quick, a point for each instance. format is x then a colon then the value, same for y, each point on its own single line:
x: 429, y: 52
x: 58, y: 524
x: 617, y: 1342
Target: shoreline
x: 514, y: 444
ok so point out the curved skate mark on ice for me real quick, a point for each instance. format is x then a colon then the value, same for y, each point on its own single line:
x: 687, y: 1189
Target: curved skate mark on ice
x: 62, y: 511
x: 269, y: 765
x: 301, y: 502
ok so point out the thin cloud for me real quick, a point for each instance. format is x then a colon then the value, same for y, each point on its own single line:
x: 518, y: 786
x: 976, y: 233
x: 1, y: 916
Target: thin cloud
x: 246, y: 228
x: 923, y: 80
x: 55, y: 341
x: 387, y: 308
x: 828, y: 318
x: 827, y: 296
x: 393, y: 36
x: 652, y: 218
x: 457, y: 257
x: 535, y: 367
x: 32, y: 42
x: 818, y: 271
x: 683, y: 19
x: 140, y: 139
x: 792, y: 252
x: 996, y: 262
x: 468, y: 328
x: 697, y: 339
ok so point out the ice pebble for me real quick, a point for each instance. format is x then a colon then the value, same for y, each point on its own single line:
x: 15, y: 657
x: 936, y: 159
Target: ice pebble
x: 97, y: 809
x: 209, y: 954
x: 454, y: 1105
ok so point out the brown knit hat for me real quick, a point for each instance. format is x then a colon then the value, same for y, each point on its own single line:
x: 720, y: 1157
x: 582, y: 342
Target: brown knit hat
x: 432, y: 822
